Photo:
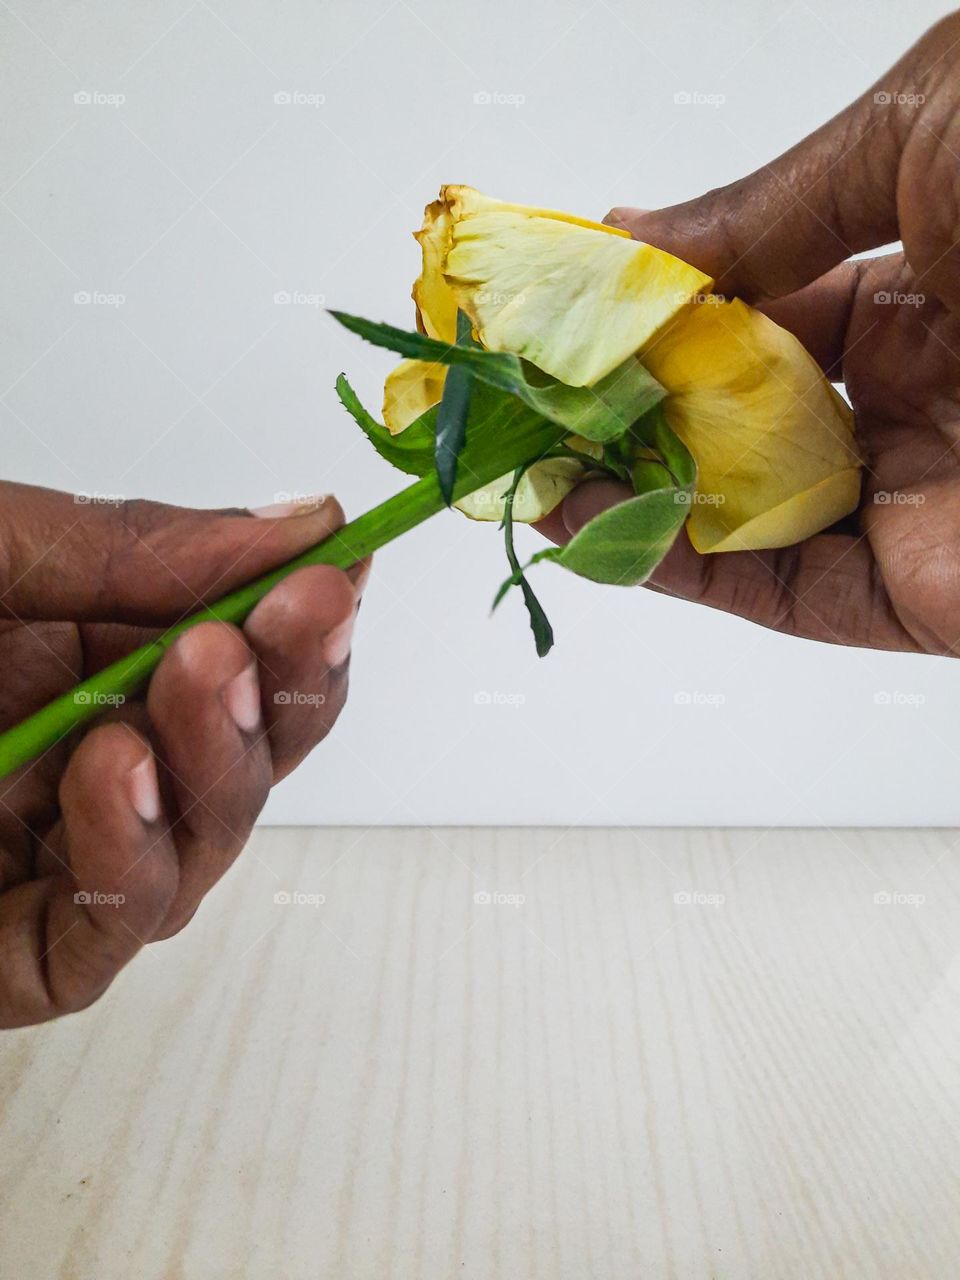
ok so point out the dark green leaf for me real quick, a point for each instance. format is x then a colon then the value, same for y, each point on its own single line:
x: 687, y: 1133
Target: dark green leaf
x: 494, y: 420
x: 500, y: 426
x: 452, y: 416
x: 602, y: 412
x: 539, y: 622
x: 410, y: 451
x: 504, y: 587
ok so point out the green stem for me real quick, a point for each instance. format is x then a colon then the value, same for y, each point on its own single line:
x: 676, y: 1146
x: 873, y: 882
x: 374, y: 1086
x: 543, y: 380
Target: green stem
x: 486, y: 462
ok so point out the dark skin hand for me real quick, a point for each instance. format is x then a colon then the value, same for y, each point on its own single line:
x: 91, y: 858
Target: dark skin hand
x: 110, y: 841
x: 880, y: 171
x: 86, y: 821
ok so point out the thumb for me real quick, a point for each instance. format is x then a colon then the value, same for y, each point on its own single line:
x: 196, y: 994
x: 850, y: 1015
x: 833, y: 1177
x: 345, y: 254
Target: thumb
x: 589, y: 500
x: 580, y: 506
x: 139, y: 562
x: 881, y: 170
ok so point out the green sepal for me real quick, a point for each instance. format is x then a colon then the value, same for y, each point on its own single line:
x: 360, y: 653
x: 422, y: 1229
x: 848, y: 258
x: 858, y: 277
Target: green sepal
x: 652, y: 432
x: 624, y: 544
x: 647, y: 475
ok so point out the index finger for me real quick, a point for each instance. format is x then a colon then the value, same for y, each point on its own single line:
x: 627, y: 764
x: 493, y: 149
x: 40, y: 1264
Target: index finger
x: 882, y: 169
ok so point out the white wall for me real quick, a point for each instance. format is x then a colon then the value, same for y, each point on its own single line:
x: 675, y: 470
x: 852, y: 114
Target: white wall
x: 199, y: 198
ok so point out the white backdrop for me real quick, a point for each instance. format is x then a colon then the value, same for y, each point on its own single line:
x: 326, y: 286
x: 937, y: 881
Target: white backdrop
x: 197, y: 197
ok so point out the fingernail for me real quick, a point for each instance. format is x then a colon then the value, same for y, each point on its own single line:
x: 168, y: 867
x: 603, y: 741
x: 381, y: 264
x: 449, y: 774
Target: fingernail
x: 292, y: 507
x: 336, y: 647
x: 241, y: 697
x: 144, y: 790
x: 622, y: 216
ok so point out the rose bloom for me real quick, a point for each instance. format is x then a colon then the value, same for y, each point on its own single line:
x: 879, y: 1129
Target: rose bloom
x: 772, y: 439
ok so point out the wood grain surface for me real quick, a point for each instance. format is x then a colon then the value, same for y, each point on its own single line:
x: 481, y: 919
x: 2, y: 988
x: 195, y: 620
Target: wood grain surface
x: 664, y: 1054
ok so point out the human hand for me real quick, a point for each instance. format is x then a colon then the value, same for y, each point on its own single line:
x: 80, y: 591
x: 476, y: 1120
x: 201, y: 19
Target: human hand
x: 111, y: 841
x: 884, y: 169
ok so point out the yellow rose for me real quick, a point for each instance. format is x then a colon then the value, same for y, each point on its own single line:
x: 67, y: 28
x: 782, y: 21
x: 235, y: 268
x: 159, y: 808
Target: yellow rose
x: 772, y: 439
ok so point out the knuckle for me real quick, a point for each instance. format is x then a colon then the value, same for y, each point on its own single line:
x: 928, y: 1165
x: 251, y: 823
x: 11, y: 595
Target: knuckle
x: 128, y: 525
x: 936, y: 49
x: 61, y: 1002
x: 202, y: 651
x: 77, y: 981
x: 175, y: 923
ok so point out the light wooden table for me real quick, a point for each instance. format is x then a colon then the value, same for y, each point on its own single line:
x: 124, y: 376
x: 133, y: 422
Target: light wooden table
x: 584, y: 1077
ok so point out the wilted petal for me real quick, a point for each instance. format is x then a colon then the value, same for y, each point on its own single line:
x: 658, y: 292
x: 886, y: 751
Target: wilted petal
x: 571, y: 300
x: 410, y: 389
x: 543, y: 487
x: 574, y: 297
x: 466, y: 202
x: 773, y: 441
x: 436, y: 305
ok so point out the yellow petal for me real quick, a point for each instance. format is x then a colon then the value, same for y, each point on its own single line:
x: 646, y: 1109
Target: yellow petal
x: 570, y: 299
x: 464, y: 202
x: 543, y: 487
x: 410, y: 389
x: 436, y: 305
x: 574, y: 297
x: 772, y: 439
x: 799, y: 517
